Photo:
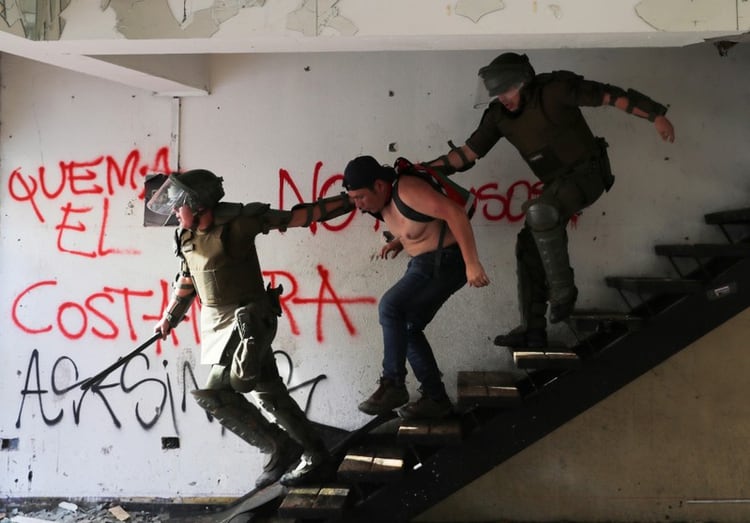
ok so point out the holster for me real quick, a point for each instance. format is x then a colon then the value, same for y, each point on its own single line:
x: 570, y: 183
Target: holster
x: 274, y: 298
x: 603, y: 166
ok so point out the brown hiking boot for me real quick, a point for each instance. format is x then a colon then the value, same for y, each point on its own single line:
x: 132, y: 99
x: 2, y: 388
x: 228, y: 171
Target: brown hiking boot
x: 426, y: 407
x: 388, y: 396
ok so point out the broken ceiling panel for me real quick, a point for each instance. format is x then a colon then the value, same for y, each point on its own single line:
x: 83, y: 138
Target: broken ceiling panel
x: 743, y: 15
x: 476, y: 9
x: 689, y: 15
x: 313, y: 17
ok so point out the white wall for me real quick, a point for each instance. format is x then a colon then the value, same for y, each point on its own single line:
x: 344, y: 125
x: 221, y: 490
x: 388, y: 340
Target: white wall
x: 65, y: 310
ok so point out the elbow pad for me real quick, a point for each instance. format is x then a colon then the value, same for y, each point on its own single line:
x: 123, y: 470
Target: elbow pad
x: 447, y: 168
x: 645, y: 104
x: 322, y: 204
x: 465, y: 163
x: 614, y: 93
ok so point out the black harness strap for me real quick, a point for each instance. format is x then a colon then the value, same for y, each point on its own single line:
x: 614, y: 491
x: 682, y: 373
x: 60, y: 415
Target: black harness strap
x: 423, y: 218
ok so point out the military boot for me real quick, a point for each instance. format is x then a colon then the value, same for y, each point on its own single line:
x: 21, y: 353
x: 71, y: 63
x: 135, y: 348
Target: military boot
x: 532, y: 297
x: 275, y: 398
x: 523, y: 338
x: 287, y: 453
x: 315, y: 465
x: 244, y: 419
x: 553, y: 250
x: 562, y: 309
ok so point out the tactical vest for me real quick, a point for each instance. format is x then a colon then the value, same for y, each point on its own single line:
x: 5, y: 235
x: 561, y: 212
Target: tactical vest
x: 553, y: 139
x: 219, y: 278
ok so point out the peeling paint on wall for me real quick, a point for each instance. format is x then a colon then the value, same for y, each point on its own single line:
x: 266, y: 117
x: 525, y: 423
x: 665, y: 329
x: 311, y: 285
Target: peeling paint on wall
x: 313, y: 16
x: 34, y: 19
x: 555, y: 10
x: 146, y: 19
x: 43, y: 20
x: 220, y: 10
x: 175, y: 18
x: 476, y: 9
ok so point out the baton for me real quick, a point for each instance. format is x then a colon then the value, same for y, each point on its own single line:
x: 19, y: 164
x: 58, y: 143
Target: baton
x: 86, y: 385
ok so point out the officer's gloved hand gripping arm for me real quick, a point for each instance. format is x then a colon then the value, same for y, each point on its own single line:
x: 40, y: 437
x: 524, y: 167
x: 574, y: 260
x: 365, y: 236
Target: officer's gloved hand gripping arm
x: 458, y: 160
x: 638, y: 104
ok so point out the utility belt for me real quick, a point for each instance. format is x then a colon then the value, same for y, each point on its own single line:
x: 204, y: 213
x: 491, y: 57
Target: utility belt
x: 597, y: 162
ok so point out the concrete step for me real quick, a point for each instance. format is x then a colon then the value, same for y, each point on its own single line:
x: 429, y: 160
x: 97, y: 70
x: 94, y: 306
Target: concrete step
x: 591, y: 320
x: 487, y: 389
x: 314, y: 502
x: 732, y: 216
x: 655, y: 285
x: 705, y: 250
x: 437, y: 432
x: 372, y: 464
x: 547, y: 358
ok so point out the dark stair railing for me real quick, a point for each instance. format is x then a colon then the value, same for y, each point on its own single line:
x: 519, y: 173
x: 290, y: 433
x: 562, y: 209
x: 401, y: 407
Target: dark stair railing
x: 677, y: 312
x: 561, y: 399
x: 617, y: 348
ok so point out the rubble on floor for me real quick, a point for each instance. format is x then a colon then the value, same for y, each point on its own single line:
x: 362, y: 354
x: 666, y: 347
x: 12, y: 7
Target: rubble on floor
x: 66, y: 512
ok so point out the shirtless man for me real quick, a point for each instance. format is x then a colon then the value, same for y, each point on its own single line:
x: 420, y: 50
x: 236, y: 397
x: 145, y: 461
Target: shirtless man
x: 435, y: 271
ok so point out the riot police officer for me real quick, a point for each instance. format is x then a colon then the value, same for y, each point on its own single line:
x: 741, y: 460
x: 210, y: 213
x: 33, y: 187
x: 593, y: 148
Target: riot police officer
x: 539, y: 115
x: 219, y: 263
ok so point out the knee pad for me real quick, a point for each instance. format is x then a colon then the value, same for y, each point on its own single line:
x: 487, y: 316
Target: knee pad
x: 542, y: 217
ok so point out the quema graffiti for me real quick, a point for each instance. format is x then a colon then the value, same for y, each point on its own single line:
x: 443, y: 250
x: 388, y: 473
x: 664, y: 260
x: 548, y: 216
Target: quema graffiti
x: 103, y: 177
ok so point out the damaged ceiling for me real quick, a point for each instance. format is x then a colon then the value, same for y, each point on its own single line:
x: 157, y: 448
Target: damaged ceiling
x: 163, y: 45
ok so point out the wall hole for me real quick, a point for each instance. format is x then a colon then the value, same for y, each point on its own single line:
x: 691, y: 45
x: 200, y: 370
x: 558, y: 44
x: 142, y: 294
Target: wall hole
x: 9, y: 444
x: 170, y: 443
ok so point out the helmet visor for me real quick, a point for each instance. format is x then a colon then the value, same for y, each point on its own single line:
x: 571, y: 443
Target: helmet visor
x: 481, y: 97
x: 168, y: 198
x: 484, y: 95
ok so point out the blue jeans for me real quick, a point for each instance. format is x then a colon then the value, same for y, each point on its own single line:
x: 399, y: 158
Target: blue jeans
x: 406, y: 309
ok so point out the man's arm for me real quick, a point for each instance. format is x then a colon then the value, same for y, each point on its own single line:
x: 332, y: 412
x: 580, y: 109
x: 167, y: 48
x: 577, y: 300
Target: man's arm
x: 420, y: 196
x: 640, y: 105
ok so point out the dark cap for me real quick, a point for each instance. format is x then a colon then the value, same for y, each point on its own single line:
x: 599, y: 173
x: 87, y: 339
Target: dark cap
x: 363, y: 171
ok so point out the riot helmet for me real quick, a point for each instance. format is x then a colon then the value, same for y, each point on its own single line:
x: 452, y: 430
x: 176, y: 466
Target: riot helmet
x: 505, y: 72
x: 197, y: 189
